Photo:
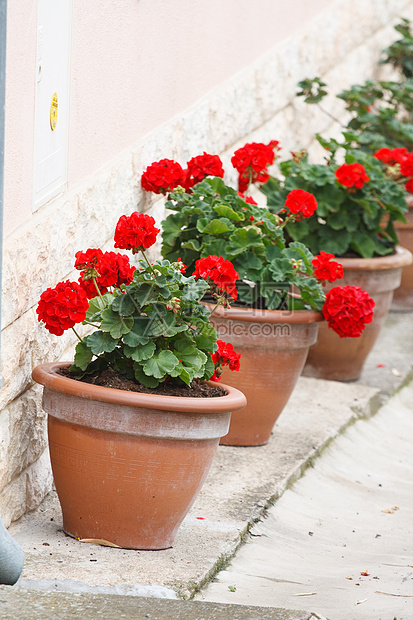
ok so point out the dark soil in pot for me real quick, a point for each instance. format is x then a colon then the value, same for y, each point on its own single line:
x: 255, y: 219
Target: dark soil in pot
x: 111, y: 379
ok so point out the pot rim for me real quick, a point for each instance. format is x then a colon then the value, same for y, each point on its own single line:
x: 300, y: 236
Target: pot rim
x: 46, y: 375
x: 401, y: 258
x: 259, y: 315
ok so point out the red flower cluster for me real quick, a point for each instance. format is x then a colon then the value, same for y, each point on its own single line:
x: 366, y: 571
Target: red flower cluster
x: 224, y: 356
x: 352, y: 175
x: 347, y: 309
x: 202, y: 166
x: 252, y: 161
x: 135, y: 232
x: 60, y: 308
x: 301, y: 202
x: 325, y: 268
x: 218, y: 271
x: 390, y: 156
x: 163, y: 176
x: 108, y: 269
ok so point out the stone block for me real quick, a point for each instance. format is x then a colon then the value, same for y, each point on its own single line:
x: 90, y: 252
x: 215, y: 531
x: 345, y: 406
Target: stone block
x: 13, y: 500
x: 27, y: 432
x: 39, y: 481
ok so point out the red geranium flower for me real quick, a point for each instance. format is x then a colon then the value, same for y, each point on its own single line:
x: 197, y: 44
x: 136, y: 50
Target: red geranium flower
x: 390, y: 156
x: 252, y: 161
x: 88, y: 259
x: 219, y: 272
x: 163, y: 176
x: 325, y: 268
x: 202, y: 166
x: 347, y: 309
x: 352, y: 175
x: 224, y: 356
x: 406, y: 165
x: 112, y: 270
x: 409, y: 186
x: 135, y: 232
x: 60, y: 308
x: 302, y: 202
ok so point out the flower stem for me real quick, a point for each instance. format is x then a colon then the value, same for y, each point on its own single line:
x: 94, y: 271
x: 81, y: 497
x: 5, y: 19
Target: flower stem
x: 81, y: 340
x: 98, y: 290
x: 148, y: 263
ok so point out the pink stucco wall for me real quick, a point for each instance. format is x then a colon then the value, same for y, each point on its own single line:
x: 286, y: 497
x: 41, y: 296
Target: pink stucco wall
x: 135, y: 64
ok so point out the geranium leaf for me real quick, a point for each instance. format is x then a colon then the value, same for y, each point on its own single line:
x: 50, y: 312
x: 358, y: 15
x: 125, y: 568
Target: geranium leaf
x: 141, y: 352
x: 226, y: 211
x: 124, y: 304
x: 101, y: 342
x: 161, y: 364
x: 83, y: 356
x: 114, y: 324
x: 150, y: 382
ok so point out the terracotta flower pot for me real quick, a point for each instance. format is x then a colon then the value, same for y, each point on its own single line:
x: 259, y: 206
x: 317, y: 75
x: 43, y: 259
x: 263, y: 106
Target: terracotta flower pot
x: 342, y: 359
x: 128, y: 466
x: 273, y: 347
x: 403, y: 296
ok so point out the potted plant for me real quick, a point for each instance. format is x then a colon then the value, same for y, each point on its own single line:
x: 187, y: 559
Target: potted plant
x: 381, y: 117
x: 280, y: 297
x: 133, y: 422
x: 354, y: 199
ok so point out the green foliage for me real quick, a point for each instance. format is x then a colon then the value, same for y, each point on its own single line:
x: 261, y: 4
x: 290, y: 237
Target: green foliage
x: 347, y: 221
x: 400, y: 53
x: 382, y: 111
x: 142, y: 337
x: 251, y: 237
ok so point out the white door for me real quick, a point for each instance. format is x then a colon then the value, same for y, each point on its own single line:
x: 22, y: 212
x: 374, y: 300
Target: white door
x: 52, y: 99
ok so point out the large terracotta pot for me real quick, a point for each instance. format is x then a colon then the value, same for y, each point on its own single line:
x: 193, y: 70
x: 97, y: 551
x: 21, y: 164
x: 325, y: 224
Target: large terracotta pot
x: 273, y: 347
x: 403, y: 296
x: 128, y: 466
x: 342, y: 359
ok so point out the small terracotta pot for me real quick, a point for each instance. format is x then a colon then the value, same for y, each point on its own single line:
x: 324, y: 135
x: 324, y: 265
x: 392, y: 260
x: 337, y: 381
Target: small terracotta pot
x: 403, y: 296
x: 273, y: 347
x: 128, y: 466
x: 342, y: 359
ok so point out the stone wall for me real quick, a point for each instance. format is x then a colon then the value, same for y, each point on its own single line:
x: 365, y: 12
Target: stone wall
x: 342, y: 46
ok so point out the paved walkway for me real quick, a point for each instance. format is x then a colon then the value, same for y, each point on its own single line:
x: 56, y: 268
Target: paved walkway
x: 63, y: 578
x: 340, y: 541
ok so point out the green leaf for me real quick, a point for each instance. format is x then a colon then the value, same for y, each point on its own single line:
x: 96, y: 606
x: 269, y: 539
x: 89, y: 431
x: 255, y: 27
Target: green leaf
x: 194, y: 290
x: 124, y: 304
x: 83, y: 356
x: 160, y: 365
x: 143, y: 379
x: 243, y: 239
x: 363, y: 244
x: 114, y: 324
x: 212, y: 227
x: 141, y: 352
x: 192, y: 244
x: 248, y: 263
x: 226, y: 211
x: 336, y: 242
x: 139, y: 332
x: 97, y: 305
x: 101, y: 342
x: 281, y: 269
